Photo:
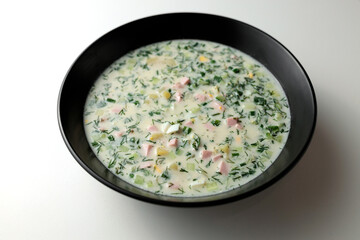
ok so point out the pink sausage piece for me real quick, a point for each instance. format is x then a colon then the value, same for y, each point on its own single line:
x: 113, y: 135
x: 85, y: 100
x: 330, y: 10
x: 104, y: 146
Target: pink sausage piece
x: 231, y: 121
x: 173, y: 142
x: 116, y: 109
x: 185, y: 80
x: 218, y: 106
x: 174, y: 186
x: 152, y: 128
x: 189, y: 123
x: 239, y: 126
x: 146, y: 147
x: 145, y: 164
x: 200, y: 97
x: 178, y: 96
x: 209, y: 126
x: 217, y: 157
x: 206, y: 154
x: 223, y: 168
x: 178, y: 85
x: 119, y: 134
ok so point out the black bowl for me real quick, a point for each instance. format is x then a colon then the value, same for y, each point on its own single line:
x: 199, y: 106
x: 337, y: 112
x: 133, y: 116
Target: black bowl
x: 103, y: 52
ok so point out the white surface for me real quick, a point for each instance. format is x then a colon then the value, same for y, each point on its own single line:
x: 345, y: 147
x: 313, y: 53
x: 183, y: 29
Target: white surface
x: 45, y: 194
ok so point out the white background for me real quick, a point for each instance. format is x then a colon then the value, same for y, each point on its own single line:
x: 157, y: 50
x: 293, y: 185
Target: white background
x: 45, y: 194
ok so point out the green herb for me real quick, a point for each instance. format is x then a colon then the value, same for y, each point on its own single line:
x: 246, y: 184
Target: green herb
x: 187, y: 130
x: 220, y: 98
x: 112, y: 163
x: 165, y: 174
x: 274, y: 130
x: 110, y: 100
x: 196, y: 143
x: 151, y: 113
x: 208, y: 164
x: 215, y: 122
x: 262, y: 148
x: 259, y: 101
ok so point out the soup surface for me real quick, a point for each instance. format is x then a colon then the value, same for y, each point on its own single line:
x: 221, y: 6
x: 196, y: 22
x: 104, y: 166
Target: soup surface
x: 187, y: 117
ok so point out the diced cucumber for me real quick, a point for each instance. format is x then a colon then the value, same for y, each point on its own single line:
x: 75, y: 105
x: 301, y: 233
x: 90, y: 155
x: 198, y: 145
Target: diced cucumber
x: 278, y: 138
x: 123, y: 148
x: 190, y: 166
x: 195, y: 110
x: 155, y: 80
x: 149, y: 184
x: 172, y: 155
x: 139, y: 180
x: 211, y: 186
x: 178, y: 151
x: 220, y: 98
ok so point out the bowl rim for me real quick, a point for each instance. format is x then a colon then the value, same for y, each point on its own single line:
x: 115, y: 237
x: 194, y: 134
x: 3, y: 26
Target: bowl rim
x: 198, y: 203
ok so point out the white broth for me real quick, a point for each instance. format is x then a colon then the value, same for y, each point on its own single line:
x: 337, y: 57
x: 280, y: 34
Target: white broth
x: 187, y: 118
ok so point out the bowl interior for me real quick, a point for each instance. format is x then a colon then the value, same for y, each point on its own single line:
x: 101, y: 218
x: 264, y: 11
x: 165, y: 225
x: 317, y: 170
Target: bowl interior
x: 98, y: 56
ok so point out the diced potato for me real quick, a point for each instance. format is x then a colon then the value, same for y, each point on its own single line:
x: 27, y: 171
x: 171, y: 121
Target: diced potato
x: 160, y: 151
x: 225, y: 148
x: 153, y: 96
x: 166, y: 94
x: 155, y: 136
x: 173, y: 166
x: 157, y: 169
x: 203, y: 59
